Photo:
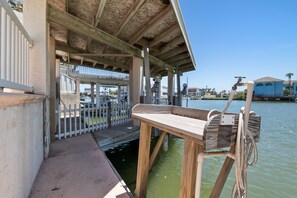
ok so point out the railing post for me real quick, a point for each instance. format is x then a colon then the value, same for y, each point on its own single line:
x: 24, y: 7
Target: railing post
x: 109, y: 113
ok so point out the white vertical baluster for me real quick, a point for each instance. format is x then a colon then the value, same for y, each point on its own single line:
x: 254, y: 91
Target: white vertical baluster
x: 59, y: 122
x: 65, y: 129
x: 85, y: 127
x: 4, y: 45
x: 75, y: 126
x: 1, y: 40
x: 70, y: 121
x: 93, y: 117
x: 89, y: 117
x: 80, y: 114
x: 9, y: 54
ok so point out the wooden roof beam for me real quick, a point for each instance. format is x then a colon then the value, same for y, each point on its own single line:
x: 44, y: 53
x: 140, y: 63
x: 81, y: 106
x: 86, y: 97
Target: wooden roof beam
x: 75, y: 24
x: 178, y: 57
x: 172, y: 44
x: 124, y: 22
x: 182, y: 62
x: 155, y: 21
x: 97, y: 18
x: 66, y: 48
x: 132, y: 11
x: 103, y: 55
x: 170, y: 31
x: 99, y: 12
x: 173, y: 52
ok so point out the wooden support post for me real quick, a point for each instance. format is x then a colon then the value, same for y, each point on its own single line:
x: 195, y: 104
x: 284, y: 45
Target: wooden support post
x: 109, y: 114
x: 170, y: 87
x: 156, y: 149
x: 92, y: 93
x: 188, y: 177
x: 143, y: 160
x: 223, y: 175
x: 147, y: 71
x: 179, y: 97
x: 53, y: 91
x: 97, y: 95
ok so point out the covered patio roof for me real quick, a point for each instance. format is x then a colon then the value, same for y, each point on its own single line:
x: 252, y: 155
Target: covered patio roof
x: 106, y: 34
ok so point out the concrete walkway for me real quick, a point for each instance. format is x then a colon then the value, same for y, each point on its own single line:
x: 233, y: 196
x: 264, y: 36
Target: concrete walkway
x: 77, y: 167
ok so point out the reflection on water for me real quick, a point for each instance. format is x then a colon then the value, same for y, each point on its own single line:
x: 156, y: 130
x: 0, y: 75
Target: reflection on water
x: 274, y: 176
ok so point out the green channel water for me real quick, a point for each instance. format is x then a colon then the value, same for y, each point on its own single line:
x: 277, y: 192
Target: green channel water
x: 274, y: 176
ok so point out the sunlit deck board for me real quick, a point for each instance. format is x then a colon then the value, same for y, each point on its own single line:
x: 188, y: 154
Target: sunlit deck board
x: 170, y: 122
x: 77, y: 168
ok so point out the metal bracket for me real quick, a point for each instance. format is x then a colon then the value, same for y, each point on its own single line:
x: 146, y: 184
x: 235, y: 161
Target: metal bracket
x: 227, y: 120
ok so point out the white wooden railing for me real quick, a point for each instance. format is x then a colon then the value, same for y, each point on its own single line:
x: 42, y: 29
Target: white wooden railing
x: 75, y: 120
x: 14, y: 48
x: 67, y: 84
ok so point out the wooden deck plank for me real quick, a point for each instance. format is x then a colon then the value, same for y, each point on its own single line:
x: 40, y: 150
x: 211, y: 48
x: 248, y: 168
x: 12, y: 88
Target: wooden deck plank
x: 169, y: 122
x: 77, y: 168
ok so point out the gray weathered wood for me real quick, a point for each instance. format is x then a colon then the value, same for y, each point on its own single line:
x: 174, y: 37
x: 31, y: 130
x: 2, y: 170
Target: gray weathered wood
x: 172, y: 44
x: 155, y: 21
x: 75, y: 24
x: 128, y: 16
x: 173, y: 52
x: 172, y: 30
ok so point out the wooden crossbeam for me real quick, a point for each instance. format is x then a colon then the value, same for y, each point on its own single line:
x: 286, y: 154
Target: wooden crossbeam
x: 173, y: 44
x: 75, y: 24
x: 132, y: 11
x: 155, y: 21
x: 182, y: 62
x: 97, y: 18
x: 103, y: 55
x: 66, y: 48
x: 178, y: 57
x: 173, y: 52
x: 170, y: 31
x: 99, y: 12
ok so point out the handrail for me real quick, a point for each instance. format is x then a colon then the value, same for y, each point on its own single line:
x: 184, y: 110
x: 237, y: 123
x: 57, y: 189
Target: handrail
x: 17, y: 22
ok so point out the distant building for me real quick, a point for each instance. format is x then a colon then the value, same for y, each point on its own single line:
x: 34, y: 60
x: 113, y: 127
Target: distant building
x: 194, y: 91
x: 268, y: 87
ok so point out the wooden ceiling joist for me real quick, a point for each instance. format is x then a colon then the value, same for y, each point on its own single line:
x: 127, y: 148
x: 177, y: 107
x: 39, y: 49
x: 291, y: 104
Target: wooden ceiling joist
x: 65, y: 48
x: 128, y: 16
x: 155, y: 21
x: 173, y: 44
x: 173, y: 52
x: 177, y: 58
x: 75, y: 24
x: 99, y: 12
x: 182, y: 62
x: 103, y: 55
x: 164, y: 34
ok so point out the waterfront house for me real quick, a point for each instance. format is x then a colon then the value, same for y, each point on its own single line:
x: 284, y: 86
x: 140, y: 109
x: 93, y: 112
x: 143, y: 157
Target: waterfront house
x: 139, y: 38
x: 194, y: 91
x: 268, y: 87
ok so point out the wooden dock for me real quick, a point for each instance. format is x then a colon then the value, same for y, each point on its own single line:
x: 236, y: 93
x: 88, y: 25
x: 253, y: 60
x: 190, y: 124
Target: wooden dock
x: 77, y: 167
x: 114, y: 136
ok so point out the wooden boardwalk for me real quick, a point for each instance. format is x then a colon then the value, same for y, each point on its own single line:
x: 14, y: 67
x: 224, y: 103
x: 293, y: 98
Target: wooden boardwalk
x: 77, y: 167
x: 111, y: 137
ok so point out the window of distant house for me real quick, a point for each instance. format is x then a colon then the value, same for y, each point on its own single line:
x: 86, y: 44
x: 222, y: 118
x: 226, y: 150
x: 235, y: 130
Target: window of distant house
x: 268, y: 84
x: 259, y: 85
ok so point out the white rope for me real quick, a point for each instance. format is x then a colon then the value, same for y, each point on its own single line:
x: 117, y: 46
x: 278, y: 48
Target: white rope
x: 245, y: 146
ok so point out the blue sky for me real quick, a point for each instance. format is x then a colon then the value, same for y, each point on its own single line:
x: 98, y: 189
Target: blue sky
x: 252, y: 38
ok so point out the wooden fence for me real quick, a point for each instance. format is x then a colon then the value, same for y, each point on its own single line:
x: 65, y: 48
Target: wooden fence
x: 75, y: 120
